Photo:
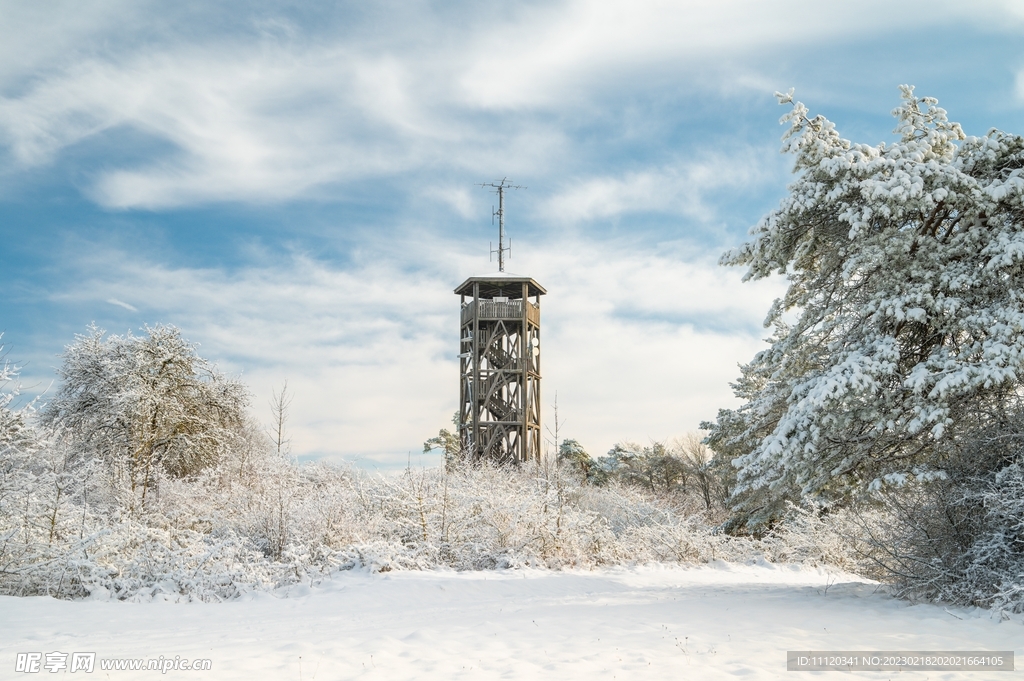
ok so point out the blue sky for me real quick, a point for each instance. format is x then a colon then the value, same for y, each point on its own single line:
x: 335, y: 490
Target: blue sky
x: 293, y: 185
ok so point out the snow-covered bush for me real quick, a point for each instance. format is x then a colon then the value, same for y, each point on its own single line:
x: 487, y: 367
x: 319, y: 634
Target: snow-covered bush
x: 959, y: 539
x: 821, y: 535
x: 220, y: 535
x: 685, y: 469
x: 144, y: 405
x: 995, y: 559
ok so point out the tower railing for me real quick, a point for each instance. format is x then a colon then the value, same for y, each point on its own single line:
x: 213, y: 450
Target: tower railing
x: 511, y: 309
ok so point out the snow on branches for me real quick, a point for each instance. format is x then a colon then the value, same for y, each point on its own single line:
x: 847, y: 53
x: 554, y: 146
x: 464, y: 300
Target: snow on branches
x: 145, y: 405
x: 903, y: 323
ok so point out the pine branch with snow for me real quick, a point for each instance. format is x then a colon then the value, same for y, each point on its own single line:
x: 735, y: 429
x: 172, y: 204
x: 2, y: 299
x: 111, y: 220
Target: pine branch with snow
x: 902, y: 324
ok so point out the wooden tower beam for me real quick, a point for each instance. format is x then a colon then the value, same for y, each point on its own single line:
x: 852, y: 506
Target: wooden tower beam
x: 499, y: 364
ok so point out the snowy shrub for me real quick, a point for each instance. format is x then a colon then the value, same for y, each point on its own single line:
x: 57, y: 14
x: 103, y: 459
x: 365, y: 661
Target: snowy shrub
x: 144, y: 405
x: 478, y: 518
x: 128, y: 491
x: 685, y: 470
x: 959, y: 539
x: 221, y: 534
x: 994, y: 573
x: 820, y: 535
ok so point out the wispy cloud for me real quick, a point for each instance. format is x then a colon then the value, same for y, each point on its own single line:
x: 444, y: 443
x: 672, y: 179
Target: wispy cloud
x: 273, y: 110
x: 550, y: 55
x: 457, y: 198
x: 679, y: 188
x: 121, y: 303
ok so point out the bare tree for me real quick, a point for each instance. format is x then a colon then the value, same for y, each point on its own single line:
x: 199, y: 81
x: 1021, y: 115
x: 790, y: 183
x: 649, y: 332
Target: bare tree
x: 698, y: 460
x: 279, y: 404
x: 559, y: 424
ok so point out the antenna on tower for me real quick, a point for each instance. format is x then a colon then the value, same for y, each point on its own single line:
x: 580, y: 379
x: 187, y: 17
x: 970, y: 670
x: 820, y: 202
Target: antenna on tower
x: 499, y: 188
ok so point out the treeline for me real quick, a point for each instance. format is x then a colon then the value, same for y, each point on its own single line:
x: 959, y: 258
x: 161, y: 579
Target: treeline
x: 145, y: 477
x: 685, y: 469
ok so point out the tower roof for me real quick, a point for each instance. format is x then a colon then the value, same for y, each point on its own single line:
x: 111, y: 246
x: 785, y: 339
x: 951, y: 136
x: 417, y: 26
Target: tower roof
x: 501, y: 284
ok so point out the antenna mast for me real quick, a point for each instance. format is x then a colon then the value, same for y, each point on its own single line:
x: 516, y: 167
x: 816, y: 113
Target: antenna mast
x: 500, y: 188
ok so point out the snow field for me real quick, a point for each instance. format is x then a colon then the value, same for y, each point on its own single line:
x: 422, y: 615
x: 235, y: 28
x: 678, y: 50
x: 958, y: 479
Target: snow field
x: 720, y: 621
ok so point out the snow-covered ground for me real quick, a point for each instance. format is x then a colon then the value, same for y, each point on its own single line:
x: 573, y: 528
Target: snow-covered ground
x: 721, y: 621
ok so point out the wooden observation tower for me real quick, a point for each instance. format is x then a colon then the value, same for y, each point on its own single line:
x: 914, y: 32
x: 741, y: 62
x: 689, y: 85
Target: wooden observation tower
x: 499, y: 361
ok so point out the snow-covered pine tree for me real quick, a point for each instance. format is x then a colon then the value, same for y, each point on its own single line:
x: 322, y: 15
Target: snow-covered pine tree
x: 902, y: 330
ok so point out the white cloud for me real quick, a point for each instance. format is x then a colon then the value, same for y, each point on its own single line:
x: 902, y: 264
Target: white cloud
x: 121, y: 303
x: 1014, y: 12
x: 638, y: 344
x: 679, y: 188
x: 553, y: 53
x: 643, y: 345
x: 217, y: 107
x: 456, y: 197
x: 277, y: 111
x: 36, y: 37
x: 254, y: 123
